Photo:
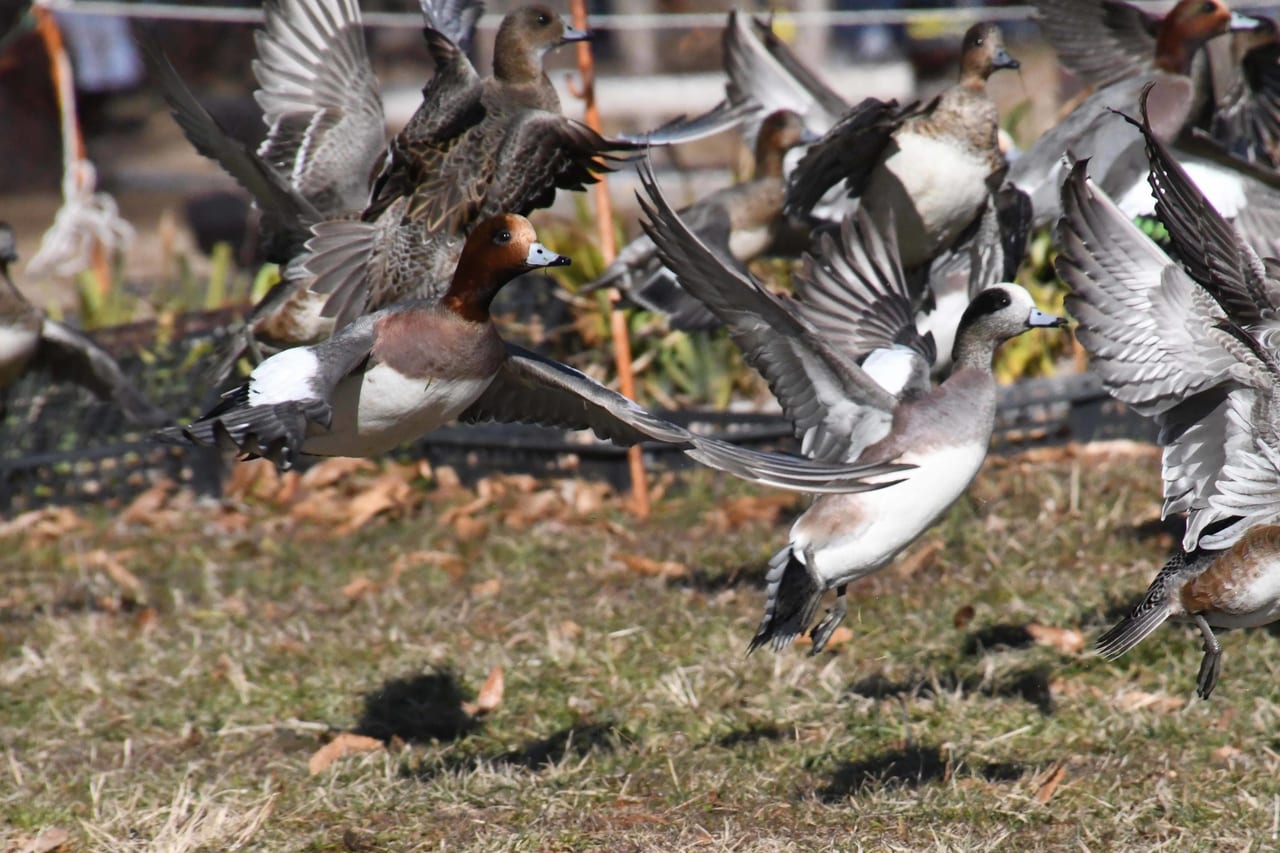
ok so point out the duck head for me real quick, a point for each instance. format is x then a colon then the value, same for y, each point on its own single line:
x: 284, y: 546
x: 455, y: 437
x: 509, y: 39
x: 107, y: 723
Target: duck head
x: 982, y: 54
x: 525, y: 36
x: 1192, y: 23
x: 498, y: 250
x: 781, y: 131
x: 995, y: 315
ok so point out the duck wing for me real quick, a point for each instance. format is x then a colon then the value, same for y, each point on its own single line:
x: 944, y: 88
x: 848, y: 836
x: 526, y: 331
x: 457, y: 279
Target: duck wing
x: 1101, y: 41
x: 764, y: 71
x: 531, y: 389
x: 1160, y: 342
x: 1246, y: 116
x: 454, y: 19
x: 320, y: 100
x: 848, y: 152
x: 286, y: 213
x: 70, y: 356
x: 837, y: 409
x: 852, y: 291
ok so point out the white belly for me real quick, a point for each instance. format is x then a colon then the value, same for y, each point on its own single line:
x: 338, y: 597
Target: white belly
x: 934, y: 190
x: 381, y: 409
x: 884, y: 522
x: 746, y: 244
x: 1255, y: 605
x: 16, y: 346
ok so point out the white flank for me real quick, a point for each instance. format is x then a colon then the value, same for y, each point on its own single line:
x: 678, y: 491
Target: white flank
x: 745, y: 244
x: 381, y: 409
x: 891, y: 368
x: 16, y: 344
x: 284, y: 377
x: 943, y: 322
x: 886, y: 521
x: 934, y: 189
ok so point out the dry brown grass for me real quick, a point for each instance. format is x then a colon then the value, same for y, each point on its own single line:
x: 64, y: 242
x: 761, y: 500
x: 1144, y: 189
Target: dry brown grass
x: 167, y: 675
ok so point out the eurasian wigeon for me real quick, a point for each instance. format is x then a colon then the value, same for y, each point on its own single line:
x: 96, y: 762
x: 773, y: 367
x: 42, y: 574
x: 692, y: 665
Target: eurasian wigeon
x: 849, y: 367
x: 399, y: 373
x: 1195, y: 349
x: 30, y: 340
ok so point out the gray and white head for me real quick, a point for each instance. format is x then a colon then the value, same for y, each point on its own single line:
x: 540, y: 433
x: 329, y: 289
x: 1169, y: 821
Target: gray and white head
x: 995, y: 315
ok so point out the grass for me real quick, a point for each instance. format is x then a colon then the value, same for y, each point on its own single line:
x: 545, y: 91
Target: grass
x: 169, y: 670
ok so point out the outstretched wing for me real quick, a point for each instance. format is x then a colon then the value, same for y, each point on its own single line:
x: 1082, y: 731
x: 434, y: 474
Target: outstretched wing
x: 1102, y: 41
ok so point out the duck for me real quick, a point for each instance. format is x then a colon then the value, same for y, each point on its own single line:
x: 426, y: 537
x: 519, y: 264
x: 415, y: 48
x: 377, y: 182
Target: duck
x: 1192, y: 346
x: 400, y: 372
x: 29, y: 340
x: 1123, y: 57
x: 851, y: 371
x: 740, y: 222
x: 932, y: 165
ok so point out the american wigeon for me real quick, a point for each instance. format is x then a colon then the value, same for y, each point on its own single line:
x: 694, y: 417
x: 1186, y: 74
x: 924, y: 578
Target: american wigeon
x: 1193, y: 348
x: 850, y: 369
x: 932, y: 166
x: 739, y: 223
x: 396, y: 374
x: 1124, y: 57
x: 30, y: 340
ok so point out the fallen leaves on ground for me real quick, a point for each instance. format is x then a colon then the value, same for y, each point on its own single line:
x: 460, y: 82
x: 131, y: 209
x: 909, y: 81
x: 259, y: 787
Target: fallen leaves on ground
x: 53, y: 838
x: 41, y: 526
x: 490, y: 696
x: 1137, y: 700
x: 340, y: 747
x: 748, y: 509
x: 919, y: 559
x: 1047, y: 783
x: 653, y: 568
x: 447, y: 561
x: 1069, y: 641
x: 839, y: 637
x: 113, y: 565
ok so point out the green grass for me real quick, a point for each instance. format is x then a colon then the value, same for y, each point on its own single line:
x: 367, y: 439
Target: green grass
x: 181, y: 714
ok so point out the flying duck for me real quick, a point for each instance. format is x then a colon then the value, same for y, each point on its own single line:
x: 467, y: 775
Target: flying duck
x: 1195, y: 349
x: 29, y: 339
x: 400, y: 372
x: 931, y: 166
x: 850, y: 369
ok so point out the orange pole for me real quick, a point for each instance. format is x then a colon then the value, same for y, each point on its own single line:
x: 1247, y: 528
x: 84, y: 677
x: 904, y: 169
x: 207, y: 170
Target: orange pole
x: 609, y: 250
x: 64, y: 91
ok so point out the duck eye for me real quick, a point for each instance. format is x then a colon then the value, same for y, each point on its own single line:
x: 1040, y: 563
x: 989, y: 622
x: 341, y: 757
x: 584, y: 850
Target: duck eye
x: 502, y: 238
x: 543, y: 20
x: 977, y: 42
x: 1208, y: 9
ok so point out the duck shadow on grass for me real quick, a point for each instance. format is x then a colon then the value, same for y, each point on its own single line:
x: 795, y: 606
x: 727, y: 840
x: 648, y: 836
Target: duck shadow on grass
x: 913, y: 767
x: 423, y: 708
x: 1030, y: 684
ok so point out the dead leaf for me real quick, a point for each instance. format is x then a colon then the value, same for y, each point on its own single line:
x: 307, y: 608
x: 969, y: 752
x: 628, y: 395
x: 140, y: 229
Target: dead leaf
x: 113, y: 566
x: 51, y: 839
x: 359, y: 587
x: 42, y: 525
x: 1049, y: 782
x: 1137, y: 700
x: 963, y: 616
x: 451, y: 564
x: 921, y: 558
x: 654, y: 568
x: 334, y: 470
x: 386, y: 492
x: 470, y: 529
x: 253, y: 478
x: 490, y: 696
x: 1226, y: 754
x: 341, y: 746
x: 748, y: 509
x: 1066, y: 640
x: 839, y: 637
x: 486, y: 589
x: 143, y: 508
x: 569, y: 630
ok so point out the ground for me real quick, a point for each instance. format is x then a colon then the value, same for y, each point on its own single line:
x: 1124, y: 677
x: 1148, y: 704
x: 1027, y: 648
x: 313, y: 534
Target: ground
x: 374, y: 657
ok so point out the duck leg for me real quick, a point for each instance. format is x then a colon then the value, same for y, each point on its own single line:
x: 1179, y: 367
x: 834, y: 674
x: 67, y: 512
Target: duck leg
x: 823, y: 630
x: 1211, y: 665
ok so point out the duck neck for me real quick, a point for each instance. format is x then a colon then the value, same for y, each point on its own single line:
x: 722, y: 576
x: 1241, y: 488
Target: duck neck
x: 472, y: 291
x: 1173, y: 51
x: 973, y: 352
x: 514, y: 63
x: 769, y: 158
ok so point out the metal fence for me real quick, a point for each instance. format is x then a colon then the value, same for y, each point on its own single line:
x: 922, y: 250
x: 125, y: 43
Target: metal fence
x: 58, y: 445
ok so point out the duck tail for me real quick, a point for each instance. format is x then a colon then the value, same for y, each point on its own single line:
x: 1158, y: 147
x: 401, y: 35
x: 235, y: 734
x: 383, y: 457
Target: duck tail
x: 792, y: 598
x: 1133, y: 629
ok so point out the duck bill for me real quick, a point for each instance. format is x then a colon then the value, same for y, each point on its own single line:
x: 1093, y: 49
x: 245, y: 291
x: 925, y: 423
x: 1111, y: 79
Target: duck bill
x: 1041, y: 319
x: 540, y: 256
x: 1246, y: 23
x: 572, y: 34
x: 1002, y: 59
